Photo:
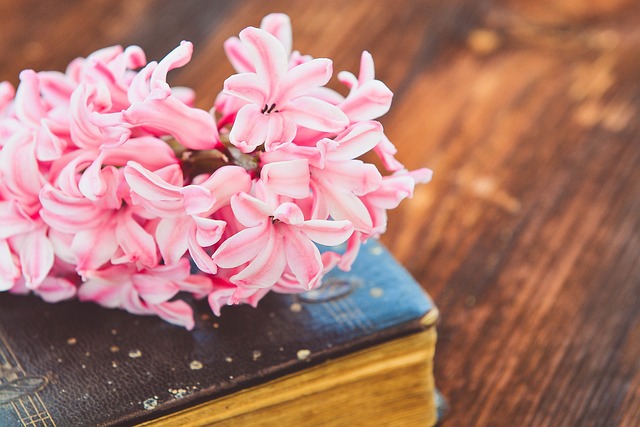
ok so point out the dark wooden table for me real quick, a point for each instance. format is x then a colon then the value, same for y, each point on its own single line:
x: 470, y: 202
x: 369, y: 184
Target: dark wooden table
x: 528, y: 238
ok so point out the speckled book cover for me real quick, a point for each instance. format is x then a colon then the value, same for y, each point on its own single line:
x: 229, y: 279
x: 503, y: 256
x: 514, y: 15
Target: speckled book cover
x: 73, y: 364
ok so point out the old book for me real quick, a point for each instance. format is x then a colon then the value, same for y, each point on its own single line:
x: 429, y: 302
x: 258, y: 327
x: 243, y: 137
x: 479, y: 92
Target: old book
x: 357, y: 351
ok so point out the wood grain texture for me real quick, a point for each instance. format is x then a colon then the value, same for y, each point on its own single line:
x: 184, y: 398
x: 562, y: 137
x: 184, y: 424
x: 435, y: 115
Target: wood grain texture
x: 528, y: 238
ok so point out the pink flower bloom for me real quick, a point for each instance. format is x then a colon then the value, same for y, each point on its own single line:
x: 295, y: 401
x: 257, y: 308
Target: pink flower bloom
x: 277, y: 97
x: 337, y: 180
x: 277, y: 239
x: 146, y: 292
x: 276, y: 24
x: 184, y: 211
x: 156, y: 108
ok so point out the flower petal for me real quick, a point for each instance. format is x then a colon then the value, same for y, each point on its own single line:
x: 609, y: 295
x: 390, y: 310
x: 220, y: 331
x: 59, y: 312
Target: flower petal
x: 208, y: 231
x: 36, y: 258
x: 248, y: 210
x: 249, y: 129
x: 196, y: 199
x: 194, y: 128
x: 154, y: 290
x: 368, y: 102
x: 267, y: 267
x: 303, y: 258
x: 280, y: 131
x: 56, y: 289
x: 176, y: 312
x: 135, y: 241
x: 279, y: 25
x: 171, y: 236
x: 305, y: 77
x: 315, y: 114
x: 288, y: 178
x: 246, y: 86
x: 328, y: 233
x: 268, y: 56
x: 356, y: 141
x: 241, y: 247
x: 93, y: 247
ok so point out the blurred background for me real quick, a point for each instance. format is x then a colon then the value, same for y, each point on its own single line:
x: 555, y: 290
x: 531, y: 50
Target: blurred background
x: 528, y: 237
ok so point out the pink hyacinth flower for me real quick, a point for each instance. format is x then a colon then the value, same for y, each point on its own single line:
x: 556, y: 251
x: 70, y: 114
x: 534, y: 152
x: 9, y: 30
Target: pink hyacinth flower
x: 277, y: 238
x: 278, y: 98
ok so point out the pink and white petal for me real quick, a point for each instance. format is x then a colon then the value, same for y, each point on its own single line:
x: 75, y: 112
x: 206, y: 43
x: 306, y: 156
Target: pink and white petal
x: 18, y: 164
x: 305, y: 77
x: 149, y: 185
x: 392, y: 191
x: 238, y: 56
x: 246, y: 86
x: 150, y: 152
x: 269, y: 58
x: 107, y: 287
x: 154, y: 290
x: 200, y: 257
x: 315, y: 114
x: 172, y: 237
x: 208, y: 231
x: 288, y: 178
x: 137, y: 244
x: 178, y: 57
x: 249, y: 129
x: 280, y: 132
x: 67, y: 214
x: 56, y: 289
x: 94, y: 247
x: 328, y: 233
x: 139, y: 87
x: 92, y: 185
x: 279, y: 25
x: 242, y: 246
x: 196, y: 199
x: 225, y: 182
x: 61, y: 243
x: 346, y: 206
x: 289, y: 213
x: 9, y: 271
x: 197, y: 284
x: 176, y: 312
x: 303, y: 258
x: 348, y: 79
x: 194, y: 128
x: 267, y: 267
x: 367, y: 68
x: 368, y: 102
x: 36, y: 257
x: 48, y: 146
x: 353, y: 175
x: 29, y: 107
x: 420, y: 176
x: 356, y: 140
x: 13, y: 219
x: 249, y: 211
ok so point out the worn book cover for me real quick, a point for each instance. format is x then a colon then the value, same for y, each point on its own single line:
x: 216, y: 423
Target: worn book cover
x: 74, y: 364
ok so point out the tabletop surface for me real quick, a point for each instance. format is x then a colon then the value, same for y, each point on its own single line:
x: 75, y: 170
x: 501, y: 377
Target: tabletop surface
x: 528, y: 237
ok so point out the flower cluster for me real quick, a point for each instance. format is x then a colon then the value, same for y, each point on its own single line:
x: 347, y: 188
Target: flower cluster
x: 111, y: 181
